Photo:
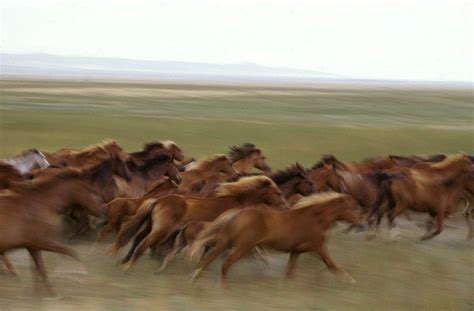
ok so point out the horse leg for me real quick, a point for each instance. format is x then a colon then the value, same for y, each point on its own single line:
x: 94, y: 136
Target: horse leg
x: 57, y: 247
x: 8, y: 264
x: 262, y: 254
x: 391, y: 219
x: 109, y: 227
x: 153, y: 238
x: 136, y: 241
x: 218, y: 249
x: 468, y: 214
x: 236, y: 254
x: 291, y: 263
x: 38, y: 260
x: 439, y: 227
x: 169, y: 256
x: 322, y: 252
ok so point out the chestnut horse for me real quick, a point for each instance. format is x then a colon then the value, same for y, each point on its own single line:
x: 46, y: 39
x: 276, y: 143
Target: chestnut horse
x: 28, y: 214
x: 165, y: 216
x: 246, y: 157
x: 204, y: 170
x: 119, y: 209
x: 296, y: 231
x: 431, y: 189
x: 88, y: 156
x: 294, y: 184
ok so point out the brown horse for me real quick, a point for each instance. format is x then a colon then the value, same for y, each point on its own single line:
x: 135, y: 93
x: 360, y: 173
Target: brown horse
x: 9, y: 175
x: 433, y: 190
x: 143, y: 176
x: 205, y: 170
x: 28, y: 214
x: 153, y: 149
x: 119, y: 209
x: 165, y: 216
x: 368, y: 165
x: 468, y: 212
x: 296, y: 231
x: 88, y: 156
x: 294, y: 184
x: 246, y: 157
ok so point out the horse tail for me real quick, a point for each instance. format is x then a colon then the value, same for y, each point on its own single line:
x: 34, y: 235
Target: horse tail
x: 209, y: 235
x: 131, y: 227
x: 384, y: 182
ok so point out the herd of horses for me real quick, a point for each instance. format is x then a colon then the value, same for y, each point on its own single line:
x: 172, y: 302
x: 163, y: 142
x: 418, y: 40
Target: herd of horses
x: 160, y: 200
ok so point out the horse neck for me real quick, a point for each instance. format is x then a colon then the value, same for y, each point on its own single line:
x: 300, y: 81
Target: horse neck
x: 288, y: 188
x: 158, y: 170
x: 244, y: 165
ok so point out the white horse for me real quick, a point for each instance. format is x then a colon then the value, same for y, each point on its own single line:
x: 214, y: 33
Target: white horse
x: 27, y: 161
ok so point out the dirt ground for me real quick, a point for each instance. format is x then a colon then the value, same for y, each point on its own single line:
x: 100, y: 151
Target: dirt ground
x: 402, y: 274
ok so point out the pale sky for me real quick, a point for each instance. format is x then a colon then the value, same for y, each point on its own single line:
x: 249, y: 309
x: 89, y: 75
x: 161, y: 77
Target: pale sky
x: 375, y: 39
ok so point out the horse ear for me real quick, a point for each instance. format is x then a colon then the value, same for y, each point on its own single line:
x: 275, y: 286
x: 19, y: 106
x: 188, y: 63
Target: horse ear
x: 223, y: 157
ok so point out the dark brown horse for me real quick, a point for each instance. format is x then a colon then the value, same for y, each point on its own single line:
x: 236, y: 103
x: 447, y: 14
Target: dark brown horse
x: 29, y: 214
x: 431, y: 189
x: 153, y: 149
x: 296, y: 231
x: 165, y: 216
x: 9, y: 175
x: 143, y: 176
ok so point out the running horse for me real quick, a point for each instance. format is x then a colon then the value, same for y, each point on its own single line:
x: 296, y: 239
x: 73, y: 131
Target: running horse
x: 294, y: 184
x: 165, y: 216
x: 29, y: 214
x: 27, y: 161
x: 299, y: 230
x: 434, y: 189
x: 200, y: 171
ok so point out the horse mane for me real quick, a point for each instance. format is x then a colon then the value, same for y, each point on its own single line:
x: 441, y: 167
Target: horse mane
x: 240, y: 152
x: 283, y: 176
x: 204, y: 164
x: 6, y: 168
x: 243, y: 185
x: 325, y: 159
x: 241, y: 175
x: 161, y: 158
x: 449, y: 160
x: 100, y: 146
x: 31, y: 150
x: 319, y: 198
x: 147, y: 147
x: 169, y: 143
x: 97, y: 170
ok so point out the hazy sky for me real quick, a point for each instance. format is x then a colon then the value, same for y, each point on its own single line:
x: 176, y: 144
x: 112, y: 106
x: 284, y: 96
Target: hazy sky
x: 412, y: 39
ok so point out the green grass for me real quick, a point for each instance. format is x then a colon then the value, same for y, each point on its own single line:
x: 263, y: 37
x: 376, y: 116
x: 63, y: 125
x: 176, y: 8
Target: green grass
x: 289, y: 124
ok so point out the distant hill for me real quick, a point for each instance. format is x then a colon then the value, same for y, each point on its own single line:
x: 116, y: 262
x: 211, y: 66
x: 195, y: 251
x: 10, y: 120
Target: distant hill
x: 54, y: 66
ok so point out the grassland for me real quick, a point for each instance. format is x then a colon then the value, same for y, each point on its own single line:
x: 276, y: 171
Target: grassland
x: 289, y: 124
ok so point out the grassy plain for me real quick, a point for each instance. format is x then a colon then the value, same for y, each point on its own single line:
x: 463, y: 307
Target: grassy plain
x: 290, y: 124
